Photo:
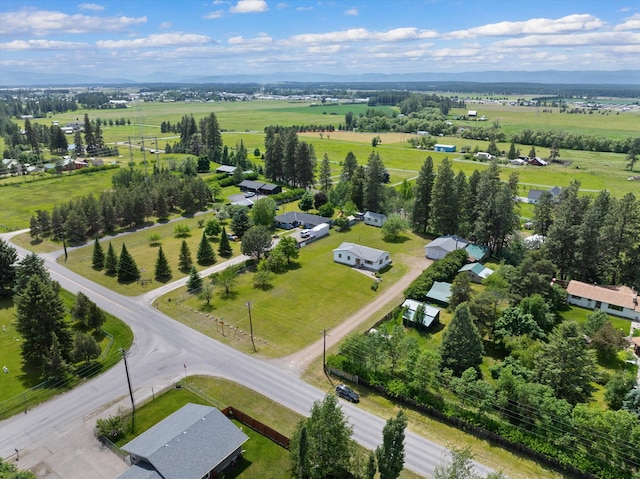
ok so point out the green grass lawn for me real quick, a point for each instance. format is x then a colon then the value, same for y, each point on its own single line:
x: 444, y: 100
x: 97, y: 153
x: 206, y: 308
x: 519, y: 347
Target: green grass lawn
x: 145, y: 254
x: 24, y: 386
x: 263, y: 457
x: 314, y: 294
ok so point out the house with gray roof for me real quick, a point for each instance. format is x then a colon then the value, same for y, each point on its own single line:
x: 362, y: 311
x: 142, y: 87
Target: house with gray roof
x: 228, y: 169
x: 443, y: 245
x: 360, y: 256
x: 295, y: 219
x: 194, y: 442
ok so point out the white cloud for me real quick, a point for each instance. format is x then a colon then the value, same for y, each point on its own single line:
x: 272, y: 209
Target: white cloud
x: 18, y: 45
x: 42, y: 22
x: 157, y: 40
x: 250, y: 6
x: 584, y: 39
x: 353, y: 12
x: 91, y: 6
x: 260, y: 39
x: 213, y: 15
x: 630, y: 23
x: 362, y: 34
x: 324, y: 49
x: 282, y: 5
x: 535, y: 26
x: 303, y: 9
x: 165, y: 25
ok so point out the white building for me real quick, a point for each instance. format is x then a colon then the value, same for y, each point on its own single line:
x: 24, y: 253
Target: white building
x: 360, y: 256
x: 616, y: 300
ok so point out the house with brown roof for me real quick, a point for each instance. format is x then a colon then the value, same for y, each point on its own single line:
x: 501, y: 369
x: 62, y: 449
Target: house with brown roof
x: 615, y: 300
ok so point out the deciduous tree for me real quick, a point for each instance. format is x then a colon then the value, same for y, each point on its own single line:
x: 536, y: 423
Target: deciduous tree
x: 390, y: 455
x: 256, y: 241
x: 85, y: 348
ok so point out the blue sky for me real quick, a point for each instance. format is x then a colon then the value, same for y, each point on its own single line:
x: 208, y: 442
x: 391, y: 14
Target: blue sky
x: 135, y: 38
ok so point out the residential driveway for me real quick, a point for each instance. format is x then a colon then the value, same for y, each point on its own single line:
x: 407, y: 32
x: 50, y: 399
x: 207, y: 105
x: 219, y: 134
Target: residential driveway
x: 386, y: 301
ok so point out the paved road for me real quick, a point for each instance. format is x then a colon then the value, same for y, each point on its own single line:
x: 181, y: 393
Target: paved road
x: 161, y: 347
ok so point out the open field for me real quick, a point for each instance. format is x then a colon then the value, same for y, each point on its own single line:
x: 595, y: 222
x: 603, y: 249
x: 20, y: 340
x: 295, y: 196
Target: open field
x: 145, y: 254
x: 246, y: 121
x: 314, y: 294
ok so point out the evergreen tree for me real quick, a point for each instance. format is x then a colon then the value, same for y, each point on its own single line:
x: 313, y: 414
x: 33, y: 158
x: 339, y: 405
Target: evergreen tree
x: 390, y: 455
x: 566, y: 365
x: 98, y: 255
x: 325, y: 174
x: 55, y: 364
x: 349, y: 167
x: 444, y: 210
x: 34, y: 228
x: 374, y: 184
x: 306, y: 201
x: 30, y: 266
x: 40, y: 318
x: 206, y: 256
x: 127, y: 268
x: 423, y: 191
x: 512, y: 155
x: 184, y: 260
x: 543, y: 213
x: 224, y: 249
x: 460, y: 290
x: 8, y: 259
x: 111, y: 261
x: 461, y: 346
x: 194, y: 282
x: 162, y: 269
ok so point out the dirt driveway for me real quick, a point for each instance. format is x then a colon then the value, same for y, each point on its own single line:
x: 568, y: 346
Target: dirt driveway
x: 390, y: 297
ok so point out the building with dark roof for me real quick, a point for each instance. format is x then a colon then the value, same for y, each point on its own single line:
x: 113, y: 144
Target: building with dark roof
x: 294, y: 219
x: 194, y: 442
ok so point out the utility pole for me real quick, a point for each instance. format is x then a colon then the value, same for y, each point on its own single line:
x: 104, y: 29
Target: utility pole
x: 251, y: 326
x: 324, y: 350
x: 126, y: 368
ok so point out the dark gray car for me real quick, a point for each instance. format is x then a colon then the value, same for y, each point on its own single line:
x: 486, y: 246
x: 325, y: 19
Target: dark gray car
x: 347, y: 393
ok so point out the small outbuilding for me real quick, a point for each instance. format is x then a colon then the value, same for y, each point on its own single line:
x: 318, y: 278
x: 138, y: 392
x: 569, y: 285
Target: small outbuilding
x: 360, y: 256
x: 374, y: 219
x: 476, y: 271
x: 431, y: 313
x: 228, y: 169
x: 440, y: 293
x: 444, y: 148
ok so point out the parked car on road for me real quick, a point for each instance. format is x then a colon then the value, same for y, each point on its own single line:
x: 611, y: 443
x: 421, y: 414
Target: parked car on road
x: 345, y: 392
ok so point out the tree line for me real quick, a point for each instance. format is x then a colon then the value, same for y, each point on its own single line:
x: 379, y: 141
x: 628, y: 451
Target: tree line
x: 132, y: 201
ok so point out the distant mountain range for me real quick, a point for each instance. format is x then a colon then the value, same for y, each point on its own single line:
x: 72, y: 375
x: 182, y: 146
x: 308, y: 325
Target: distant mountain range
x: 10, y: 78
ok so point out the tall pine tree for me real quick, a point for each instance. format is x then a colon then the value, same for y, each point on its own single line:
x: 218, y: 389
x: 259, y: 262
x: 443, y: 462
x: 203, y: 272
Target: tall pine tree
x: 224, y: 249
x: 98, y: 255
x: 162, y: 269
x: 205, y: 255
x: 423, y: 191
x: 461, y: 346
x: 444, y: 204
x: 184, y: 260
x: 127, y: 268
x: 111, y: 261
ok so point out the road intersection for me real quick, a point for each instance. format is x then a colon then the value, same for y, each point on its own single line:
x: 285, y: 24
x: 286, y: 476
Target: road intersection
x: 161, y: 348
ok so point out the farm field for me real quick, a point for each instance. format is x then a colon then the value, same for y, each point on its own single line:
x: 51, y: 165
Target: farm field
x: 246, y: 121
x: 314, y: 294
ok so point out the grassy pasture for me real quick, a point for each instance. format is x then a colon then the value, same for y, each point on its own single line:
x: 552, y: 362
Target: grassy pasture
x: 315, y: 293
x: 246, y: 121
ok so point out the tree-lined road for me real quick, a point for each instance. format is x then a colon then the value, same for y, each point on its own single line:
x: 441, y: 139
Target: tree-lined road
x: 161, y: 348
